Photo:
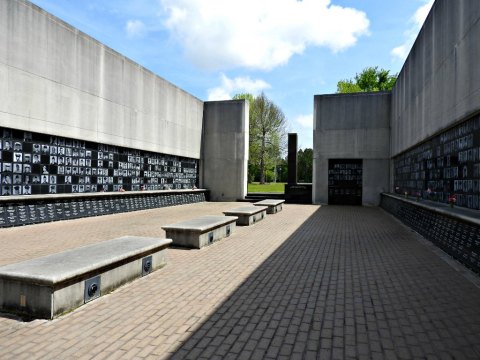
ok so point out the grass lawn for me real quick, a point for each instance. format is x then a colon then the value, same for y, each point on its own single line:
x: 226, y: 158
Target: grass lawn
x: 266, y: 188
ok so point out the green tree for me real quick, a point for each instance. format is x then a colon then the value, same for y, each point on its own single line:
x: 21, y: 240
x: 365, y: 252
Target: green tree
x: 370, y: 79
x: 266, y: 132
x: 305, y: 165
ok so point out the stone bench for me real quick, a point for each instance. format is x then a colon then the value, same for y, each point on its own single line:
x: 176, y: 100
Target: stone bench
x: 49, y: 286
x: 199, y: 232
x: 248, y: 215
x: 274, y: 206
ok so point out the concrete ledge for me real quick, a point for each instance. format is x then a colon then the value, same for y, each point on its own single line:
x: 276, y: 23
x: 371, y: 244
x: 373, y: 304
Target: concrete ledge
x: 48, y: 286
x: 273, y: 205
x: 199, y: 232
x: 248, y: 215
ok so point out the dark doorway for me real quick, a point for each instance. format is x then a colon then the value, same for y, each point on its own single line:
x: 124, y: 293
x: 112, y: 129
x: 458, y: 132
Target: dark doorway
x: 345, y: 181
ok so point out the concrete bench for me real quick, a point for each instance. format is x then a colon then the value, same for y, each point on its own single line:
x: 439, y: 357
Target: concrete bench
x: 274, y: 206
x: 248, y: 215
x: 199, y: 232
x: 49, y: 286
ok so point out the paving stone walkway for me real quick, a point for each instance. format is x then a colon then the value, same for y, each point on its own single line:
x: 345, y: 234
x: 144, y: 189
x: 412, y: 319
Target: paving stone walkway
x: 307, y: 283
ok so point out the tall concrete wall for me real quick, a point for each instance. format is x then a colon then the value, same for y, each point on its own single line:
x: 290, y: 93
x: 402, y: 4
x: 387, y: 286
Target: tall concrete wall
x: 224, y: 162
x: 439, y: 84
x: 352, y: 126
x: 56, y: 80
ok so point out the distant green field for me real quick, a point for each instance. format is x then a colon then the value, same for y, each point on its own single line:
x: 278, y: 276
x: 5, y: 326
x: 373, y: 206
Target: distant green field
x: 266, y: 188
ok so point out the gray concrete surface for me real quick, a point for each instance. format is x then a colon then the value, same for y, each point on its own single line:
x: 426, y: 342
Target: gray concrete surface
x: 273, y: 205
x: 47, y: 286
x: 352, y: 126
x: 439, y: 83
x: 249, y: 214
x: 54, y: 79
x: 201, y: 231
x: 224, y: 161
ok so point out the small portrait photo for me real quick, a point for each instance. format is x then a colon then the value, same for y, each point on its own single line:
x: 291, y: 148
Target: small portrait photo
x: 88, y: 153
x: 53, y: 160
x: 68, y: 179
x: 75, y: 170
x: 44, y: 179
x: 36, y: 158
x: 110, y: 156
x: 17, y: 168
x: 36, y: 148
x: 81, y: 170
x: 61, y: 170
x: 68, y: 161
x: 75, y: 153
x: 53, y: 179
x: 100, y: 163
x: 53, y: 140
x: 75, y: 188
x: 110, y: 164
x: 87, y: 180
x: 81, y: 162
x: 68, y: 142
x: 94, y: 171
x: 53, y: 150
x: 27, y: 168
x: 93, y: 188
x: 6, y: 190
x: 27, y: 136
x: 81, y: 153
x: 27, y: 158
x: 44, y: 170
x: 87, y: 188
x: 7, y: 167
x: 61, y: 141
x: 6, y: 180
x: 68, y: 170
x: 45, y: 149
x: 81, y: 188
x: 68, y: 151
x: 17, y: 190
x: 61, y: 150
x: 17, y: 179
x: 75, y: 161
x: 27, y: 190
x: 100, y: 155
x: 7, y: 145
x: 52, y: 189
x: 7, y: 133
x: 17, y: 157
x: 88, y: 171
x: 36, y: 179
x: 17, y: 146
x: 61, y: 160
x: 27, y: 179
x: 81, y: 180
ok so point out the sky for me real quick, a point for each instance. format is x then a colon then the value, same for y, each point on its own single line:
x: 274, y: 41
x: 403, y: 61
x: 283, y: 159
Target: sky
x: 289, y: 49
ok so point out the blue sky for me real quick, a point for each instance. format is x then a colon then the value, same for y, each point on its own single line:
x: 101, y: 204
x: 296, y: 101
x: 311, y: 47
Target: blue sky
x: 291, y: 50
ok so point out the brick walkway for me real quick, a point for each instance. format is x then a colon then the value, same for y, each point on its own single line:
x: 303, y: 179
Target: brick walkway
x: 308, y: 282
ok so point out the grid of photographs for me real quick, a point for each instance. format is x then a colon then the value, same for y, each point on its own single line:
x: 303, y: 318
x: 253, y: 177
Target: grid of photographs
x: 33, y: 163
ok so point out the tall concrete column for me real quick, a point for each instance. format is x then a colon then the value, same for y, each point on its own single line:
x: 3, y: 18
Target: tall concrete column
x: 224, y: 161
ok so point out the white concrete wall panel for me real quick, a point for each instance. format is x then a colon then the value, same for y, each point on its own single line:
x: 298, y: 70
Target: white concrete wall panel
x: 55, y: 79
x: 224, y: 162
x: 352, y: 126
x: 439, y: 84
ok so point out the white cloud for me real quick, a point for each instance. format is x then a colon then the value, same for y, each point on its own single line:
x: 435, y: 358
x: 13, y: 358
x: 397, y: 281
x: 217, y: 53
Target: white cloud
x: 305, y: 121
x: 401, y: 52
x: 219, y: 34
x: 230, y: 87
x: 135, y: 29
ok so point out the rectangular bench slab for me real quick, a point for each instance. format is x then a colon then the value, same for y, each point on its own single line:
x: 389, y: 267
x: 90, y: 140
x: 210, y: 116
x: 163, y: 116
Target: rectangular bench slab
x: 274, y: 206
x: 199, y: 232
x: 248, y: 215
x: 49, y: 286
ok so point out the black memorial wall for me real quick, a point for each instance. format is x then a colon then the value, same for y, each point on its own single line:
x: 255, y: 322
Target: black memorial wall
x: 33, y: 163
x: 345, y: 181
x: 447, y: 164
x: 33, y: 210
x: 455, y: 235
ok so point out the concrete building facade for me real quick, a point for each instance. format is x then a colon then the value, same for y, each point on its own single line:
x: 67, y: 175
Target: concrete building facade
x: 60, y: 83
x: 427, y: 130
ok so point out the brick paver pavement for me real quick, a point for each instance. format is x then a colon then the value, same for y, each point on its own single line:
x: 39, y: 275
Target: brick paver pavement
x: 308, y: 282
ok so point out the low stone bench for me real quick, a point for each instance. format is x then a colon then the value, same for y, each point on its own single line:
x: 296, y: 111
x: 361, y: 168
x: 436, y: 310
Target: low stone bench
x: 248, y: 215
x: 274, y: 206
x: 199, y: 232
x: 49, y: 286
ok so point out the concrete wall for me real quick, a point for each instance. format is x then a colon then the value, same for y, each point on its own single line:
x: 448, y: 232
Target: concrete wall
x: 224, y: 162
x: 352, y: 126
x: 439, y: 84
x: 56, y: 80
